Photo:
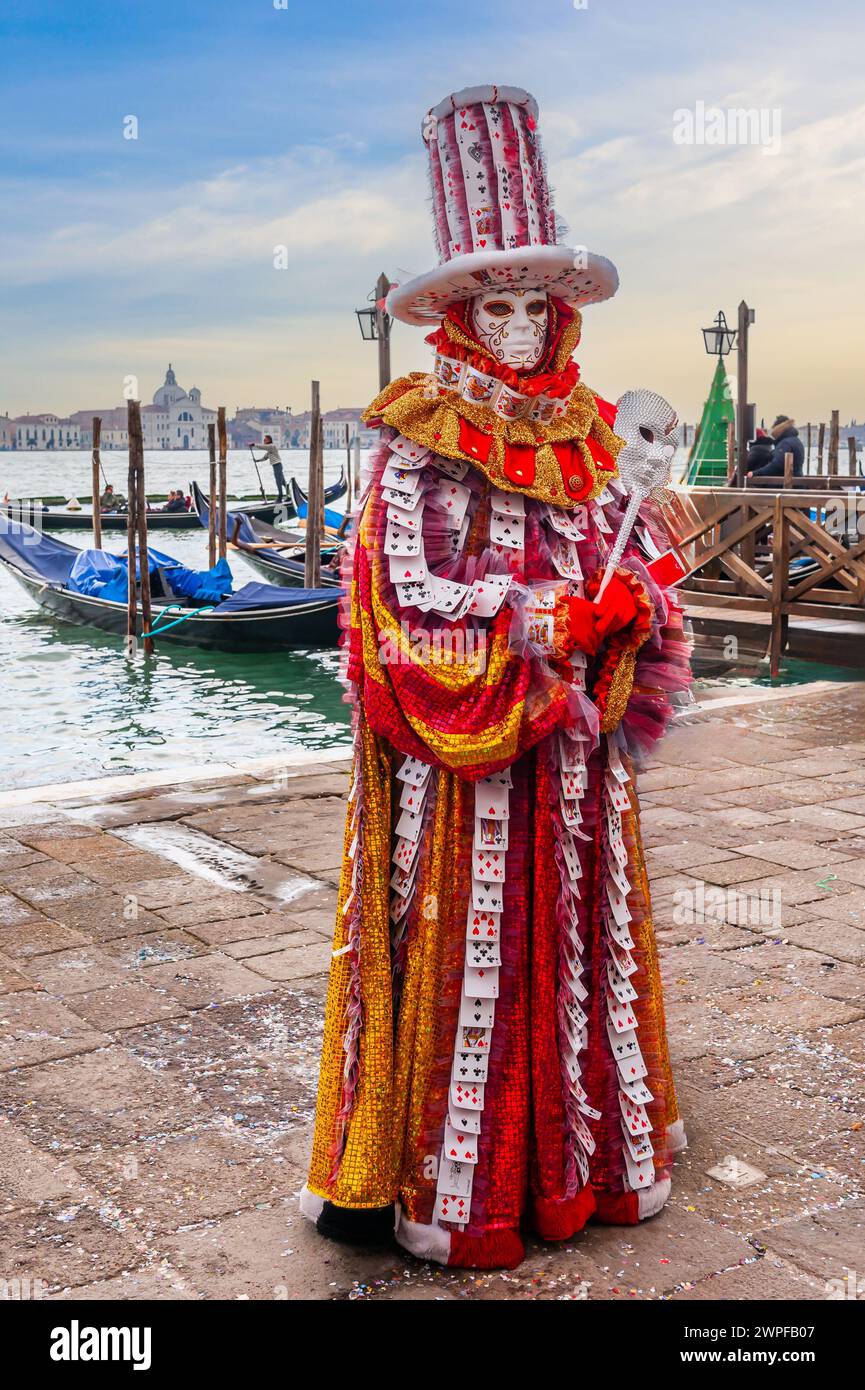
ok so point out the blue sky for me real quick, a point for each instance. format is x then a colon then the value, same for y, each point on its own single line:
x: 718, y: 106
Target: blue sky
x: 261, y: 126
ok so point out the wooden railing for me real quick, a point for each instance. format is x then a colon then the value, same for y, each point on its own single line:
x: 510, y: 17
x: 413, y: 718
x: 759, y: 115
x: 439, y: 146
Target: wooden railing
x: 742, y: 546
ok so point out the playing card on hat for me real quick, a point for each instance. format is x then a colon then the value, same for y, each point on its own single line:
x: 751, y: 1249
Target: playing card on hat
x: 407, y: 450
x: 401, y: 541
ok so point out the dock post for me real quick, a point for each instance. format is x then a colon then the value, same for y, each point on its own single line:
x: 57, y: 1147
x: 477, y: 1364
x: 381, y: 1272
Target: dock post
x: 788, y: 470
x: 834, y: 431
x: 223, y: 479
x: 851, y: 454
x: 779, y: 579
x: 821, y: 439
x: 211, y: 497
x: 136, y: 453
x: 312, y: 559
x: 732, y: 477
x: 94, y: 482
x: 356, y: 470
x: 131, y: 537
x: 808, y: 450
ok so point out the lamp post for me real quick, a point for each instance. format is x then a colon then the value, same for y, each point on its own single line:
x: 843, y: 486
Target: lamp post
x: 719, y: 339
x: 375, y: 324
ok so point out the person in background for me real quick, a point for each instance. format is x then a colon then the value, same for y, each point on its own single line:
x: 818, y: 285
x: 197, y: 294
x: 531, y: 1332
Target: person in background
x: 176, y: 502
x: 111, y: 501
x: 271, y: 456
x: 785, y: 437
x: 760, y: 450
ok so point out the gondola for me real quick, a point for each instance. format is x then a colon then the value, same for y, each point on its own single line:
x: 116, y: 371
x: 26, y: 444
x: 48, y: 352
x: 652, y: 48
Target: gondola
x: 53, y: 515
x: 298, y: 502
x: 257, y: 618
x: 276, y: 554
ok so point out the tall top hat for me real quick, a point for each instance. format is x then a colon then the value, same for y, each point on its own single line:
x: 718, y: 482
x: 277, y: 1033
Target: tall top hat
x: 494, y: 222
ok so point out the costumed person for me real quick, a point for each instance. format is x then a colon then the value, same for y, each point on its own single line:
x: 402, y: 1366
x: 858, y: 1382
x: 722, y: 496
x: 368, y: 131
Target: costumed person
x: 494, y: 1058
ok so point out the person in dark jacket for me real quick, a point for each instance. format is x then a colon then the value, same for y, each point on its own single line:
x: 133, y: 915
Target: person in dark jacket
x: 787, y: 441
x: 760, y: 450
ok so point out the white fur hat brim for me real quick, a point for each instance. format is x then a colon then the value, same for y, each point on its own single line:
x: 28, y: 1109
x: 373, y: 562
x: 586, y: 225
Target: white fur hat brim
x: 576, y: 276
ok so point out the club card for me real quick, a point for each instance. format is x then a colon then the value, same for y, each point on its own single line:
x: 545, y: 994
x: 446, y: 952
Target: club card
x: 415, y: 594
x: 491, y: 799
x: 637, y: 1092
x: 488, y: 865
x: 487, y: 897
x: 448, y: 595
x: 449, y: 1207
x: 401, y: 479
x: 490, y: 834
x: 408, y: 826
x: 409, y: 520
x: 507, y: 503
x: 414, y: 770
x: 483, y: 953
x: 455, y: 1178
x: 482, y: 981
x: 476, y: 1012
x: 487, y: 595
x: 407, y: 569
x: 470, y: 1066
x: 452, y: 468
x: 398, y: 497
x: 509, y: 531
x: 624, y: 1045
x: 483, y: 926
x: 620, y: 935
x: 620, y: 984
x: 575, y: 1014
x: 639, y: 1174
x: 459, y: 1147
x: 409, y: 451
x: 400, y: 541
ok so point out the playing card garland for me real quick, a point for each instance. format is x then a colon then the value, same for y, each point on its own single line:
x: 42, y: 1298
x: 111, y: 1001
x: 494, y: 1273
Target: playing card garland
x: 494, y: 1054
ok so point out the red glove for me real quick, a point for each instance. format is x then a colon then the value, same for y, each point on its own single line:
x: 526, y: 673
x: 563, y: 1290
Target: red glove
x: 591, y: 623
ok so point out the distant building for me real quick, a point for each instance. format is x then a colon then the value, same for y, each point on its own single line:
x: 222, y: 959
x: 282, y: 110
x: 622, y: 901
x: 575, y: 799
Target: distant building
x: 7, y: 432
x: 176, y: 419
x: 114, y: 433
x: 46, y: 432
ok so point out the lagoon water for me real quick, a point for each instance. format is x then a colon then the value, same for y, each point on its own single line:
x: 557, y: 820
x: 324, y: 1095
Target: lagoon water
x: 73, y: 707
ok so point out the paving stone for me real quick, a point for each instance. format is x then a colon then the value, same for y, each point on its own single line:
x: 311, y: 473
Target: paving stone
x: 64, y: 1244
x: 829, y: 937
x: 770, y: 1279
x: 11, y: 978
x: 75, y: 849
x: 105, y: 916
x: 36, y: 936
x: 826, y: 1245
x: 64, y: 973
x: 35, y: 1027
x: 28, y: 1177
x: 44, y: 884
x: 153, y: 948
x: 125, y: 1004
x: 162, y: 892
x: 268, y: 945
x: 294, y: 964
x: 673, y: 1248
x: 727, y: 871
x: 181, y: 1179
x: 793, y: 1010
x: 795, y: 856
x: 212, y: 907
x: 131, y: 1285
x: 205, y: 980
x: 102, y: 1098
x: 126, y: 869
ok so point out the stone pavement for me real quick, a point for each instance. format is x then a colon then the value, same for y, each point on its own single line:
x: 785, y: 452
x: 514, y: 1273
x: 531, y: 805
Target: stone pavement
x: 163, y: 958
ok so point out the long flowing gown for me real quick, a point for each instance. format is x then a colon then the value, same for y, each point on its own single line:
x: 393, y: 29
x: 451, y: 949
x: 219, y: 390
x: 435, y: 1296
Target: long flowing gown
x: 494, y: 1055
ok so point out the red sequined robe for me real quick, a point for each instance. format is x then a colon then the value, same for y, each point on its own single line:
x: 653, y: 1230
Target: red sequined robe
x: 494, y: 1056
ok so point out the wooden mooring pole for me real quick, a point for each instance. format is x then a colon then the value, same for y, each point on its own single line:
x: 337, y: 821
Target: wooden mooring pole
x: 131, y: 535
x: 95, y: 487
x: 211, y: 497
x: 821, y: 439
x: 223, y: 479
x: 357, y: 466
x: 851, y: 454
x: 780, y: 563
x: 808, y: 449
x: 136, y: 456
x: 834, y: 434
x: 314, y: 496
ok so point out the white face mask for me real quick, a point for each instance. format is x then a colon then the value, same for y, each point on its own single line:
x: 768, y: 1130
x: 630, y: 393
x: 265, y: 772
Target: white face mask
x: 512, y: 325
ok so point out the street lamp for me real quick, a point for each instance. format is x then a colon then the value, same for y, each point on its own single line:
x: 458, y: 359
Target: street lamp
x: 375, y: 324
x: 719, y: 339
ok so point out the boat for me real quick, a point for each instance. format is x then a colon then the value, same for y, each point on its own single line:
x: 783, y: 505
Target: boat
x: 189, y: 608
x: 276, y: 554
x: 54, y: 514
x: 299, y: 502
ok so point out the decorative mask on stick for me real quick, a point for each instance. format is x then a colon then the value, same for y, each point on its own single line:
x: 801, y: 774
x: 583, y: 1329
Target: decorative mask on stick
x: 511, y: 325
